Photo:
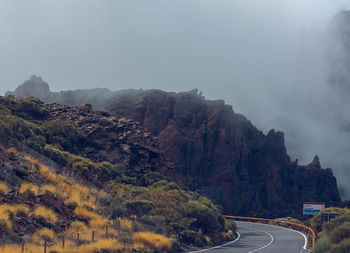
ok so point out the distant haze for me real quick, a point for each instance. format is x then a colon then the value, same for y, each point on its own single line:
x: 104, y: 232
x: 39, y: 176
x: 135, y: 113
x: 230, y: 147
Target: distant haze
x: 268, y: 58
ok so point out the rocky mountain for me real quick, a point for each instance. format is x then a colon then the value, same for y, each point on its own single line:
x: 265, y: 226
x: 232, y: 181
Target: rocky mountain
x: 221, y: 153
x: 213, y: 146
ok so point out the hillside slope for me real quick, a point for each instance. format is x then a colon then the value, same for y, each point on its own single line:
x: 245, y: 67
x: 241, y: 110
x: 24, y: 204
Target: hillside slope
x: 101, y: 169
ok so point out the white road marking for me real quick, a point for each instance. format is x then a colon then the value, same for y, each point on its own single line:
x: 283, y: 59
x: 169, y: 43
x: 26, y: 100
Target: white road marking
x: 267, y: 245
x: 217, y: 247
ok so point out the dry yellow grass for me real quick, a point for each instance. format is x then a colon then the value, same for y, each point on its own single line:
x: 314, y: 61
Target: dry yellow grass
x: 4, y: 189
x: 89, y: 205
x: 152, y: 241
x: 46, y: 213
x: 12, y: 150
x: 45, y: 234
x: 98, y: 222
x: 52, y: 176
x: 83, y: 191
x: 44, y: 170
x: 74, y: 198
x: 125, y: 223
x: 106, y: 244
x: 4, y: 215
x: 19, y: 208
x: 83, y: 213
x: 76, y: 227
x: 29, y: 187
x: 49, y: 188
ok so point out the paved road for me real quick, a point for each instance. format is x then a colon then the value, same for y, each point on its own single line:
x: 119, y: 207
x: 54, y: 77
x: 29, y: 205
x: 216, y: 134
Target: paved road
x: 261, y: 238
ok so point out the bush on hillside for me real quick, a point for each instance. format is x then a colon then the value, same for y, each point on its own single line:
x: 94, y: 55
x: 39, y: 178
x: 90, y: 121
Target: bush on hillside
x: 207, y: 219
x: 63, y: 133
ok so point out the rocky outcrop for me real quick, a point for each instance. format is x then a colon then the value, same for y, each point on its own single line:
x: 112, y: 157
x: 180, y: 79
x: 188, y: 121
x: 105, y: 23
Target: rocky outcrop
x: 211, y: 147
x: 119, y: 141
x: 35, y: 86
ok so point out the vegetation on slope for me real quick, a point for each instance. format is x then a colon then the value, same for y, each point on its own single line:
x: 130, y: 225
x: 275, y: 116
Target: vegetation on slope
x: 96, y: 206
x: 333, y: 236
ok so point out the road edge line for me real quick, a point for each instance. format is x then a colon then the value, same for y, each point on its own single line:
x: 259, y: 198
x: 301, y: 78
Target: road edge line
x: 217, y: 247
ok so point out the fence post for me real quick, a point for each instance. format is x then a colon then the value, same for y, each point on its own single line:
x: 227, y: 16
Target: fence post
x: 77, y: 239
x: 45, y: 244
x: 107, y: 232
x: 63, y: 241
x: 22, y: 245
x: 92, y: 236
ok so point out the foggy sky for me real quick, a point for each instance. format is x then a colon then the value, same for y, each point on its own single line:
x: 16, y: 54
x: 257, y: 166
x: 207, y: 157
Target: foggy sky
x: 265, y: 57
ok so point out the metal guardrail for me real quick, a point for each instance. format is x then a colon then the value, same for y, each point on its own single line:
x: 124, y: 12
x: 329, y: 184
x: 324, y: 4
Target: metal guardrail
x: 296, y: 225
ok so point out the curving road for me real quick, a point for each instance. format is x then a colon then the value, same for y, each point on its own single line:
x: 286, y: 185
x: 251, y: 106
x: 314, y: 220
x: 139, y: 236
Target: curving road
x: 262, y: 238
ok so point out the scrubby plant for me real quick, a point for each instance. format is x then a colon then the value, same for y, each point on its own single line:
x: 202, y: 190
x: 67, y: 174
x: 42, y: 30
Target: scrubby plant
x: 103, y: 113
x: 86, y: 107
x: 29, y: 188
x: 152, y: 241
x: 139, y: 207
x: 207, y: 219
x: 63, y: 133
x: 46, y: 214
x: 4, y: 189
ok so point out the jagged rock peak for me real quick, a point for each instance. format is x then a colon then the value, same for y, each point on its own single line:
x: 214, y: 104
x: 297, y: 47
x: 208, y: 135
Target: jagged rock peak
x: 315, y: 163
x: 34, y: 86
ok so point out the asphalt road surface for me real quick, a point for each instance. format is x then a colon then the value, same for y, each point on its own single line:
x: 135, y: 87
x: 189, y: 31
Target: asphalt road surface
x: 261, y: 238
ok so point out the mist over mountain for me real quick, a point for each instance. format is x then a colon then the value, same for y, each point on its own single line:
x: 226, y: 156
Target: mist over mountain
x: 213, y: 149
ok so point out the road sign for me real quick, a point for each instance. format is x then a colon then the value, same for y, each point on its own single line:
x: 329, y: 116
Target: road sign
x: 312, y: 208
x: 326, y: 217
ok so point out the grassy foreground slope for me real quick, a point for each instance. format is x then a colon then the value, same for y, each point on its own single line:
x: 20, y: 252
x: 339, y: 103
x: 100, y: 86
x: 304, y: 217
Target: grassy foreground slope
x: 101, y: 205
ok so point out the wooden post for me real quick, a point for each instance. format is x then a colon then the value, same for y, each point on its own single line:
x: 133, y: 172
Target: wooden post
x: 92, y: 236
x: 63, y: 241
x: 45, y: 245
x: 22, y: 245
x: 107, y: 232
x: 96, y: 198
x: 77, y: 239
x: 119, y: 225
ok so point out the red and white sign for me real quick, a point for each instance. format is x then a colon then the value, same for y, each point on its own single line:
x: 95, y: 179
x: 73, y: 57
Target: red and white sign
x: 311, y: 208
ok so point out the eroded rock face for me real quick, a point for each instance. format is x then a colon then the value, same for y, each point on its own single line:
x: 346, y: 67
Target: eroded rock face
x: 211, y: 145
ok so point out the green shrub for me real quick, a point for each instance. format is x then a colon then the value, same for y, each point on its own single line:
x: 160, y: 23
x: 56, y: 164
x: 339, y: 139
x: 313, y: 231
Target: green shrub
x: 103, y: 113
x: 340, y: 233
x: 193, y: 238
x: 322, y: 245
x: 343, y: 247
x: 207, y: 219
x: 31, y: 108
x: 4, y: 110
x: 14, y: 130
x: 140, y: 207
x: 86, y: 107
x: 63, y: 133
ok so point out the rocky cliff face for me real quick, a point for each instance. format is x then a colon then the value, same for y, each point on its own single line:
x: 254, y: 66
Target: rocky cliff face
x: 213, y: 146
x: 217, y: 150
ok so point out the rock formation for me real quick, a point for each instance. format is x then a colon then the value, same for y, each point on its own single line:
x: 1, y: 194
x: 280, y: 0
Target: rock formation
x: 215, y: 149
